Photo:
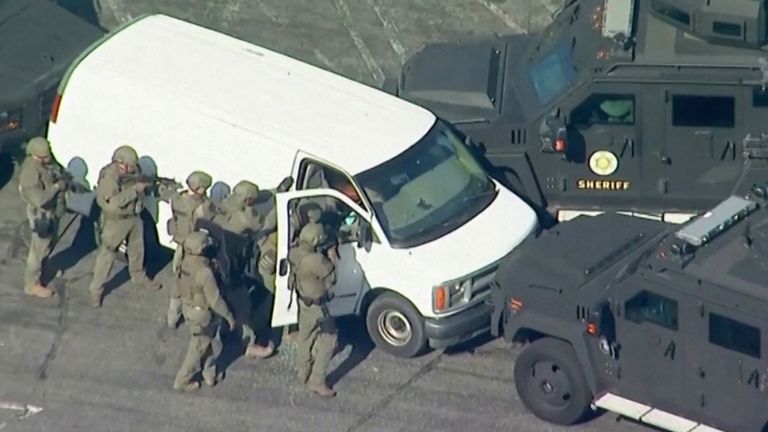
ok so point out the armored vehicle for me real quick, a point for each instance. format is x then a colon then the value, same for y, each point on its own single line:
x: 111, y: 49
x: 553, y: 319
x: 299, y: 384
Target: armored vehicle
x: 40, y: 40
x: 660, y: 323
x: 649, y: 106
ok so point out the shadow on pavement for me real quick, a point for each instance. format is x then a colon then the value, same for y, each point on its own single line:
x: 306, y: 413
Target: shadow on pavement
x: 351, y: 333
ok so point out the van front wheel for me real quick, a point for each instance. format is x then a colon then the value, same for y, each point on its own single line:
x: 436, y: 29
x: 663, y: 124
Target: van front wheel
x: 395, y: 326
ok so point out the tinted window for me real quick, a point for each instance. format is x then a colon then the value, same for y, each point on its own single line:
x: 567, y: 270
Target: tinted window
x: 553, y: 74
x: 671, y: 12
x: 726, y: 29
x: 733, y: 335
x: 759, y: 97
x: 605, y: 109
x: 649, y: 307
x: 703, y: 111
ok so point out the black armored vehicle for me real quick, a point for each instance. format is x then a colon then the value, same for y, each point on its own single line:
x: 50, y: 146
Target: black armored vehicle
x: 661, y: 323
x: 39, y: 41
x: 648, y: 106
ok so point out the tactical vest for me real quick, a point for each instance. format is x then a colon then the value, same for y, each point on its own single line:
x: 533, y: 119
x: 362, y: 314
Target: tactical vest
x: 47, y: 176
x: 131, y: 209
x: 184, y: 206
x: 190, y: 290
x: 311, y: 270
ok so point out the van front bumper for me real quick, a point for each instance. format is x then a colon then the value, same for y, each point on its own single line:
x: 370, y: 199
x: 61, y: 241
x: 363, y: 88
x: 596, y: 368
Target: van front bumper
x: 460, y: 327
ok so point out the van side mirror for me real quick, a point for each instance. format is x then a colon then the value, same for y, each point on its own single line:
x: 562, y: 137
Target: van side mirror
x: 285, y: 184
x: 364, y: 235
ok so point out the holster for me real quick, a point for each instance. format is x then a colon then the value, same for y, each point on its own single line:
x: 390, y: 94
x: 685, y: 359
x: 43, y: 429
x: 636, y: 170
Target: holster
x: 42, y: 225
x: 328, y: 324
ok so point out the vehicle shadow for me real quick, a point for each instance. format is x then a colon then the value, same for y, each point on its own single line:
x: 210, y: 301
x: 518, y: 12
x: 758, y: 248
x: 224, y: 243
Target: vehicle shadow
x: 7, y: 168
x: 84, y: 9
x: 352, y: 334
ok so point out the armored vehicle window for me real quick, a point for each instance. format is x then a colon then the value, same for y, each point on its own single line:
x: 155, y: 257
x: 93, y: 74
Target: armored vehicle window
x: 726, y: 29
x: 759, y: 97
x: 605, y: 109
x: 733, y: 335
x: 652, y: 308
x: 671, y: 12
x: 703, y: 111
x: 553, y: 74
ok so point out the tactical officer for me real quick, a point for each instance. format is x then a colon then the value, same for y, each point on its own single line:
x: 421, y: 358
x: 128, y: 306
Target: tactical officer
x: 43, y: 192
x: 314, y: 276
x: 121, y: 204
x: 187, y: 206
x: 241, y: 218
x: 200, y: 295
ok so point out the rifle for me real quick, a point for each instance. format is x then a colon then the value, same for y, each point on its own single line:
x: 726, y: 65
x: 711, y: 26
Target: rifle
x: 156, y: 184
x: 73, y: 185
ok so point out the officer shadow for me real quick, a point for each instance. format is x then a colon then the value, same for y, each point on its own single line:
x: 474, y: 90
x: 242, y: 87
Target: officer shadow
x: 351, y: 333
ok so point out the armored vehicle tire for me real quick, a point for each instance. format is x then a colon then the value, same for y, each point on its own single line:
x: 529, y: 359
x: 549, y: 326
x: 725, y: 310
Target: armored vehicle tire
x: 395, y: 326
x: 550, y: 382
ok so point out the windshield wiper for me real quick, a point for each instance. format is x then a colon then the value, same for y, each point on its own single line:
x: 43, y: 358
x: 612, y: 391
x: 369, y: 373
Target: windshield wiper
x: 479, y: 195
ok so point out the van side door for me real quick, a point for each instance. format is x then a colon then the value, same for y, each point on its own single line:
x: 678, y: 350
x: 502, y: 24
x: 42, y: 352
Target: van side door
x: 349, y: 233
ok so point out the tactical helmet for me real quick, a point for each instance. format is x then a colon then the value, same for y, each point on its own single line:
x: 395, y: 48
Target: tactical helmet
x: 196, y: 242
x: 312, y: 234
x: 199, y: 179
x: 126, y: 155
x: 314, y: 214
x: 246, y: 190
x: 39, y: 146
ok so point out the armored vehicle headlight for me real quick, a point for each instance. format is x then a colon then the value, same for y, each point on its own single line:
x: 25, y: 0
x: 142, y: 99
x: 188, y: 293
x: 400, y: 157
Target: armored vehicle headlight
x: 10, y: 120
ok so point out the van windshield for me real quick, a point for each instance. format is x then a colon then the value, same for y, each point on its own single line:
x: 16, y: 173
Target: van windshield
x: 429, y: 190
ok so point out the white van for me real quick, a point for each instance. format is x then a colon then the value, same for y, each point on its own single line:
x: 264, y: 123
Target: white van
x: 431, y: 224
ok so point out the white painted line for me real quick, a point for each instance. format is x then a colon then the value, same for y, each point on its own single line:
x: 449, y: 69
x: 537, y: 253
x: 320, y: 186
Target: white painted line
x: 499, y: 12
x: 346, y: 18
x: 26, y: 410
x: 390, y: 30
x: 705, y: 428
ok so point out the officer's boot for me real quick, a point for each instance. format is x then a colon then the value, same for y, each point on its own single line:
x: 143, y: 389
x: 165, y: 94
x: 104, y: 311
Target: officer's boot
x: 96, y: 299
x: 260, y: 352
x: 322, y: 390
x: 36, y: 289
x: 189, y: 387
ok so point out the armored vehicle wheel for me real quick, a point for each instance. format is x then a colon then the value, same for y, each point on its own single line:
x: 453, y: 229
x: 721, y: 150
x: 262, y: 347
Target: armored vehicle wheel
x: 395, y: 326
x: 550, y: 382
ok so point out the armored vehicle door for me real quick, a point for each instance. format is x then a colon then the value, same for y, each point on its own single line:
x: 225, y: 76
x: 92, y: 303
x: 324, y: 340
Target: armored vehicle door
x: 346, y: 226
x: 696, y: 133
x: 602, y: 159
x: 650, y: 346
x: 726, y: 370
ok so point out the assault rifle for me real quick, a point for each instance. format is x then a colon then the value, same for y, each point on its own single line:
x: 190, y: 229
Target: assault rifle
x: 157, y: 185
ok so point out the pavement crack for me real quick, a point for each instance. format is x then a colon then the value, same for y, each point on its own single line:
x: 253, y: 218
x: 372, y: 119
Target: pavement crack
x: 61, y: 327
x: 365, y: 418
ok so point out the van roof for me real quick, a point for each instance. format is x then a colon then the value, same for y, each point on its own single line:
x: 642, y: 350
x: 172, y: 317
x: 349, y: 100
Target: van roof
x: 278, y: 98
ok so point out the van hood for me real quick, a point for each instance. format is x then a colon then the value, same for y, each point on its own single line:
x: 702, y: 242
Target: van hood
x: 482, y: 241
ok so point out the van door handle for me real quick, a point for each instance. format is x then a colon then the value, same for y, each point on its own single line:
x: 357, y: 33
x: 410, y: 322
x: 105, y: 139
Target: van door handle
x: 283, y: 267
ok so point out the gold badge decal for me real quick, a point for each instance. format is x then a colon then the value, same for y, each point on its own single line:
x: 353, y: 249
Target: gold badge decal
x: 603, y: 163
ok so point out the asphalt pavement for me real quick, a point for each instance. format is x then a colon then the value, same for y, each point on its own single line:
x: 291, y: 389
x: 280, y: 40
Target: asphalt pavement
x: 65, y: 366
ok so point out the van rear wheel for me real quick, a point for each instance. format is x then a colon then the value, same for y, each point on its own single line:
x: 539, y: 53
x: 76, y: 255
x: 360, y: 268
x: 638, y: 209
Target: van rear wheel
x: 395, y: 326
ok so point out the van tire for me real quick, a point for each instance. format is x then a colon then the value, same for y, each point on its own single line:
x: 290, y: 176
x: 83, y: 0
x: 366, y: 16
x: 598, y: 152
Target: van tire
x: 559, y: 394
x: 395, y: 326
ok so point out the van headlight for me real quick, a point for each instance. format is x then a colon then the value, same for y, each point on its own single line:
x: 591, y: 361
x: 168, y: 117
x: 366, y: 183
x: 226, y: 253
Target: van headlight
x: 450, y: 295
x: 10, y: 120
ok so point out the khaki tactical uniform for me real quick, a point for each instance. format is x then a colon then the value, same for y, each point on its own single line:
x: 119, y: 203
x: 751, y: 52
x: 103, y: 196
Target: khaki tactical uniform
x: 187, y: 208
x: 314, y: 276
x: 200, y: 295
x: 45, y: 206
x: 121, y: 205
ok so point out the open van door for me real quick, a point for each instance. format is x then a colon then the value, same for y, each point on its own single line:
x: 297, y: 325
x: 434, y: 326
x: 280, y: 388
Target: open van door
x: 351, y: 281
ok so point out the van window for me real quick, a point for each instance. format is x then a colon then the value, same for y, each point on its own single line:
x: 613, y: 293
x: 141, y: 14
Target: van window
x: 734, y: 335
x: 649, y: 307
x: 603, y: 108
x: 703, y: 111
x: 429, y: 190
x: 340, y: 222
x: 316, y: 176
x: 759, y: 97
